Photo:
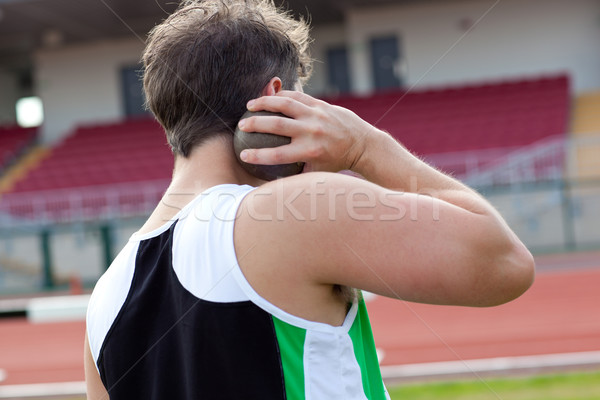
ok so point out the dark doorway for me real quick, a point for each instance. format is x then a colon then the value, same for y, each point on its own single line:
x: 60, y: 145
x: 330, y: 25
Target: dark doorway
x: 385, y: 58
x: 337, y: 70
x: 133, y: 94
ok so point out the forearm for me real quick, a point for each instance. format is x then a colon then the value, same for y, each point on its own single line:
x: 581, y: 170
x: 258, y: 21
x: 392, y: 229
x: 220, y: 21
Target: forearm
x: 384, y: 161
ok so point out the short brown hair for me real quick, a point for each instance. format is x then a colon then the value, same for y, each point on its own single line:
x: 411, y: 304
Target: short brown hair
x: 207, y: 59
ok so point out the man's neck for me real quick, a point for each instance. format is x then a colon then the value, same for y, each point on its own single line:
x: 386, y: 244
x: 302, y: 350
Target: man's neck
x: 211, y: 164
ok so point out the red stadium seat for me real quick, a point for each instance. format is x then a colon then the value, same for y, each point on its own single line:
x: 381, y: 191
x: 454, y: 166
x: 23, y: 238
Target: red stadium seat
x: 103, y: 154
x: 13, y: 140
x: 473, y: 117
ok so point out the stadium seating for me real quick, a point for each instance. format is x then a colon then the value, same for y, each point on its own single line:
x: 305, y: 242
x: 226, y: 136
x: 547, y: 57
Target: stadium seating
x: 129, y: 151
x: 13, y: 140
x: 484, y: 116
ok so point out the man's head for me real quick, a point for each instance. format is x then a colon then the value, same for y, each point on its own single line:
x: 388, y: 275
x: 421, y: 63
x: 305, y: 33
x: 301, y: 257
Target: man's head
x: 205, y: 61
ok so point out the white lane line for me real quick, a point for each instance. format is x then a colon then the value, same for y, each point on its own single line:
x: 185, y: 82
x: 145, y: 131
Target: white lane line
x: 380, y: 354
x: 424, y: 370
x: 500, y: 364
x: 57, y: 309
x: 42, y: 390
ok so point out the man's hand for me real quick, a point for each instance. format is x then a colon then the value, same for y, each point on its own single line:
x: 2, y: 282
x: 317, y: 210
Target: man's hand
x: 326, y: 137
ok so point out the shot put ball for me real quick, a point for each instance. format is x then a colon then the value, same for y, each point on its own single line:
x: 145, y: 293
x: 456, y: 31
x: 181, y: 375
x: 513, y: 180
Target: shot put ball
x: 257, y: 140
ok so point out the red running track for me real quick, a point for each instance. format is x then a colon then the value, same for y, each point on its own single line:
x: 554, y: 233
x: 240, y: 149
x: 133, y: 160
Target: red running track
x: 558, y: 314
x: 41, y: 353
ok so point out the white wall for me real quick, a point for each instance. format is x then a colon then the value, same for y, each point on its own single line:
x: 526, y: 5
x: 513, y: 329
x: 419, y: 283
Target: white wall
x: 328, y: 37
x: 515, y: 38
x: 82, y: 84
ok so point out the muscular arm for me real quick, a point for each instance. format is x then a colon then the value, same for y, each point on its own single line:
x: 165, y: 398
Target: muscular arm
x: 407, y: 231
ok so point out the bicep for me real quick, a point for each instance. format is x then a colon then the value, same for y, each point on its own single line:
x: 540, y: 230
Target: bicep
x: 404, y: 245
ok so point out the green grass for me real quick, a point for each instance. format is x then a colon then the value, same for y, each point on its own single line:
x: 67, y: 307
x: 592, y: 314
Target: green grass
x: 570, y: 386
x: 567, y: 386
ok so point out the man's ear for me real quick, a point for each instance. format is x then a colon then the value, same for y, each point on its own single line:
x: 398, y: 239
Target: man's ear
x: 273, y: 87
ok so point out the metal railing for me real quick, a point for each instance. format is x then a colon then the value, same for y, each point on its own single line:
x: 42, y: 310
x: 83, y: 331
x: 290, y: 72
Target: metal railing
x: 466, y: 163
x: 553, y: 158
x: 83, y: 204
x: 541, y: 161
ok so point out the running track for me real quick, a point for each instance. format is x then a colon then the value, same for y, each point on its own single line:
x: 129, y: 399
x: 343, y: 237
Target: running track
x: 559, y: 314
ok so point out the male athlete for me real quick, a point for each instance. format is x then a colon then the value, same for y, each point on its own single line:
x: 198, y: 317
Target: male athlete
x: 237, y: 288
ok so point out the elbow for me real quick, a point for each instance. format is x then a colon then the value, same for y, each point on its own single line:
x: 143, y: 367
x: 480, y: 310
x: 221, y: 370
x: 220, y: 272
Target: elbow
x: 520, y: 269
x: 513, y: 274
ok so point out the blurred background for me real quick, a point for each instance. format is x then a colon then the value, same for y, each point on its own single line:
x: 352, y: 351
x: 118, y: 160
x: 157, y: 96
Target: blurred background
x: 503, y: 94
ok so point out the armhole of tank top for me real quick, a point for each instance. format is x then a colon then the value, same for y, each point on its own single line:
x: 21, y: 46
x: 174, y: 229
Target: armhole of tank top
x: 272, y: 309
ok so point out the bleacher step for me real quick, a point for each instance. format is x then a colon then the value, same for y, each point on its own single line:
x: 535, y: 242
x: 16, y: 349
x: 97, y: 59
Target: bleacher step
x: 19, y: 169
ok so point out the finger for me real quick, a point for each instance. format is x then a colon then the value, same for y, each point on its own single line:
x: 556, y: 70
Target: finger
x: 285, y: 154
x: 282, y: 104
x: 273, y: 124
x: 301, y: 97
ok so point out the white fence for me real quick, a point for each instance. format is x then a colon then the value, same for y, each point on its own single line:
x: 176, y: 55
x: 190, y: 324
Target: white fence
x: 61, y: 206
x: 551, y: 159
x: 545, y: 160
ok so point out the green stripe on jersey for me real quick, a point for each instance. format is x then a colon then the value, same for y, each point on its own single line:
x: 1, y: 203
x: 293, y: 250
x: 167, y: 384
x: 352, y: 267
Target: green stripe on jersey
x: 291, y: 350
x: 366, y: 355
